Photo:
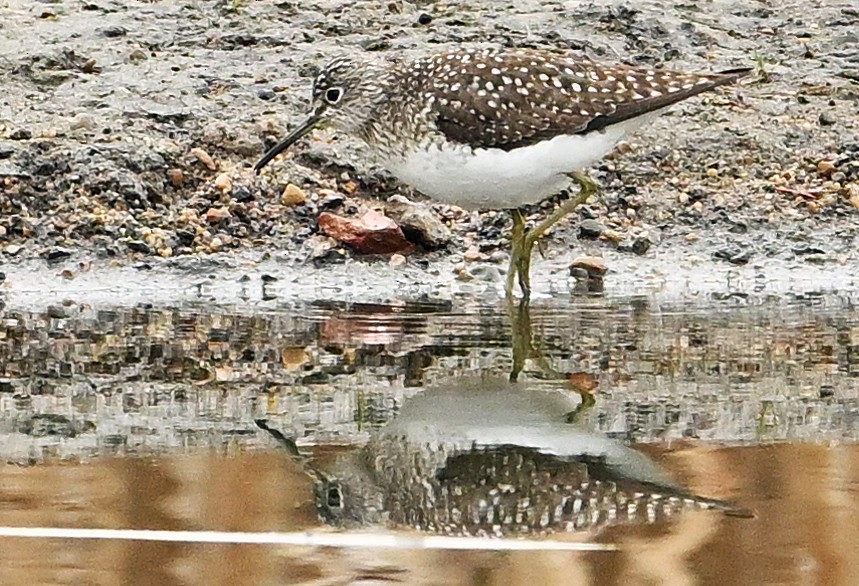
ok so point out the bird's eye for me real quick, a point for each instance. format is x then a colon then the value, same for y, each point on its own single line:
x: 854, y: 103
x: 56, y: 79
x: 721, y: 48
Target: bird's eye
x: 333, y: 95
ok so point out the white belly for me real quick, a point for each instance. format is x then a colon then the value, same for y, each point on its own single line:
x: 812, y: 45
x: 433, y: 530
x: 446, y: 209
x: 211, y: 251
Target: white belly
x: 498, y: 179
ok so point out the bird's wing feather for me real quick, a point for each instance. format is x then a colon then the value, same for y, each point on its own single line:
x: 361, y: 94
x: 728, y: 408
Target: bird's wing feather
x: 511, y: 99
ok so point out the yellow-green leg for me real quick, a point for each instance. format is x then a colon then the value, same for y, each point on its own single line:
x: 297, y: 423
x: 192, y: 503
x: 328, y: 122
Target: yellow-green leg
x: 523, y: 242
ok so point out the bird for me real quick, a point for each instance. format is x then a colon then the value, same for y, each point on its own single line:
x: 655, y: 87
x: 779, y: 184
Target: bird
x: 494, y: 128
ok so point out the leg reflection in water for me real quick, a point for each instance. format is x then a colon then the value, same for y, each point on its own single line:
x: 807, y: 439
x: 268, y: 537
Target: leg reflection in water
x: 525, y: 349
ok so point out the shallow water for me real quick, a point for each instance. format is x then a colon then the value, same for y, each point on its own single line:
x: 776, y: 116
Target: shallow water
x: 400, y: 420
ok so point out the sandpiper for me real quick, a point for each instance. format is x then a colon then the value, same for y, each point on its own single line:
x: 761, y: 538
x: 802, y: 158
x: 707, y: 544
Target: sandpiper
x: 488, y: 128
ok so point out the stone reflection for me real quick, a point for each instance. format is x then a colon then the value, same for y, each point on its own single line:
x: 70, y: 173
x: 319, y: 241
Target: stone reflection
x: 488, y: 457
x: 77, y: 380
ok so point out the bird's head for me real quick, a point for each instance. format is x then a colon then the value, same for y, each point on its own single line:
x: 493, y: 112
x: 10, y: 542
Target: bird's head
x: 344, y: 94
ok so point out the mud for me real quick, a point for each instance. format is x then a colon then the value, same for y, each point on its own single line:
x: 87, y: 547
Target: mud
x: 128, y: 132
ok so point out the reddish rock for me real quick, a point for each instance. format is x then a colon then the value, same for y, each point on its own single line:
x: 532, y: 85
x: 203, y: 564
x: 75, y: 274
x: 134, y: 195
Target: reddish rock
x: 372, y: 233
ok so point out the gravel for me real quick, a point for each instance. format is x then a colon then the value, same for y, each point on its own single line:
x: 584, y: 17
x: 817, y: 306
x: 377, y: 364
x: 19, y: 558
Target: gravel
x: 128, y: 131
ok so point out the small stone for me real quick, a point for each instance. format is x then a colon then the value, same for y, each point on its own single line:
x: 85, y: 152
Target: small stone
x: 266, y: 94
x: 397, y: 260
x: 205, y: 159
x: 137, y: 55
x: 293, y: 195
x: 419, y: 224
x: 319, y: 247
x: 424, y: 19
x: 472, y: 253
x: 67, y: 274
x: 82, y: 121
x: 2, y: 231
x: 499, y: 257
x: 224, y: 183
x: 331, y: 201
x: 594, y: 266
x: 637, y: 244
x: 216, y: 215
x: 216, y: 244
x: 613, y: 235
x: 827, y: 118
x: 590, y: 229
x: 138, y: 246
x: 20, y: 134
x: 57, y: 254
x: 825, y: 167
x: 734, y: 256
x: 372, y: 233
x: 14, y: 249
x: 176, y: 176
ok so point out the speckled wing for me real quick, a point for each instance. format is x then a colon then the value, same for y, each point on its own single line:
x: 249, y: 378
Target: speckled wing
x: 510, y: 99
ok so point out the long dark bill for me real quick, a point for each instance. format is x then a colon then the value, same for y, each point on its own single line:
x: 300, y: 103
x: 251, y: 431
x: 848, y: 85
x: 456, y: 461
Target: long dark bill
x: 287, y: 142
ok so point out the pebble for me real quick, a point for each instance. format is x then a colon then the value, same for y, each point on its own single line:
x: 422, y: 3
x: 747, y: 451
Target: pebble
x: 205, y: 158
x: 418, y: 222
x: 397, y: 260
x: 472, y: 253
x: 590, y: 229
x: 57, y: 254
x: 224, y: 183
x: 637, y: 244
x: 825, y: 167
x: 372, y: 233
x: 216, y: 215
x: 293, y: 195
x: 176, y: 176
x: 82, y: 121
x: 138, y: 246
x: 594, y: 266
x: 826, y: 118
x: 613, y: 235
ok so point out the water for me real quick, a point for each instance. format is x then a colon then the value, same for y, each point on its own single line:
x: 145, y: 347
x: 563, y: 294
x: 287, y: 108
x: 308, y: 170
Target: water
x: 712, y: 442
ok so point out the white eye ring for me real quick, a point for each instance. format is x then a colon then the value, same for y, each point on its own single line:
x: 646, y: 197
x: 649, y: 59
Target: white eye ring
x: 333, y: 95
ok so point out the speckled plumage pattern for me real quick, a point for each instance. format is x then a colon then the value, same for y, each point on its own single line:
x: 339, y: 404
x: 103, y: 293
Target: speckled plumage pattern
x: 491, y: 128
x: 506, y: 99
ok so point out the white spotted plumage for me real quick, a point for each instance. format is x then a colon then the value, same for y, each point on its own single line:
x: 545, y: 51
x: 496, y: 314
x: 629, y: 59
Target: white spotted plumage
x: 495, y: 128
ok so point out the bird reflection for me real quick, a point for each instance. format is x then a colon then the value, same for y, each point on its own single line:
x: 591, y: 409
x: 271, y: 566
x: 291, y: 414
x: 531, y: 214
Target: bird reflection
x: 488, y: 457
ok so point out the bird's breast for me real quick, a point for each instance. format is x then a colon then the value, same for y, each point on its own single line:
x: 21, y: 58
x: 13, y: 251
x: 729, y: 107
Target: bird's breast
x: 492, y: 178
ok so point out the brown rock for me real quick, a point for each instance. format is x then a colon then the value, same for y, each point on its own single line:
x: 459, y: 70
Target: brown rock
x: 372, y: 233
x: 177, y: 177
x: 293, y: 195
x: 215, y: 215
x: 593, y: 265
x: 825, y: 167
x: 223, y: 183
x: 204, y: 157
x: 472, y: 253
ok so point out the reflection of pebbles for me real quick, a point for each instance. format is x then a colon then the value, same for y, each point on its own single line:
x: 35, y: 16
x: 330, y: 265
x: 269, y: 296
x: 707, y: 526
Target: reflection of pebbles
x: 492, y: 458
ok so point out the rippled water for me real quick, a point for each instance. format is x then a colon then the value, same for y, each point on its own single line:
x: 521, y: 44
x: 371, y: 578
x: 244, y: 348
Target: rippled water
x: 706, y: 443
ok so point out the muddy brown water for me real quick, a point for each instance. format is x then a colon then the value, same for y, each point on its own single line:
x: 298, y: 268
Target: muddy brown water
x: 718, y: 445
